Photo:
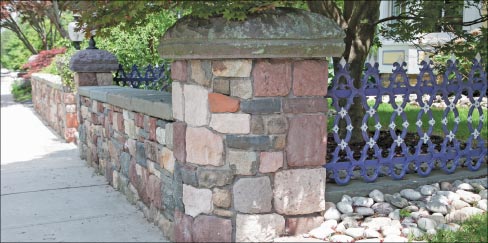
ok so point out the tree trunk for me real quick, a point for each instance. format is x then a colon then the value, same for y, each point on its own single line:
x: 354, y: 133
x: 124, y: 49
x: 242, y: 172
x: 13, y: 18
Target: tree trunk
x: 12, y: 25
x: 54, y: 14
x: 356, y: 20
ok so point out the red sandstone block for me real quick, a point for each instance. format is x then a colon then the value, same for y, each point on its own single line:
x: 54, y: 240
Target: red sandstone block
x: 120, y: 122
x: 71, y: 120
x: 152, y: 128
x: 100, y: 107
x: 222, y: 103
x: 310, y: 78
x: 179, y: 71
x: 179, y: 141
x: 211, y: 229
x: 272, y: 78
x: 183, y: 227
x: 139, y: 119
x: 301, y: 225
x: 307, y: 140
x: 69, y: 98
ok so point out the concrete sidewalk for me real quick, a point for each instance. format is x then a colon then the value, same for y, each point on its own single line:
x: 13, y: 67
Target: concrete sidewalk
x: 49, y: 194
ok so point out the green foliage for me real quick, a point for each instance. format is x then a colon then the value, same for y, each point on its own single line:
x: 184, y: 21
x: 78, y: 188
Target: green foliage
x: 21, y: 91
x: 14, y: 54
x: 60, y: 66
x: 404, y: 213
x: 472, y: 230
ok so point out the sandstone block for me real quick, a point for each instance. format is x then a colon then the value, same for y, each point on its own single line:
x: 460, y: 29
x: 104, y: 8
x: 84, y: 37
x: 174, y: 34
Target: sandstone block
x: 275, y: 124
x: 201, y: 72
x: 232, y: 68
x: 196, y: 105
x: 211, y: 229
x: 272, y: 78
x: 243, y: 162
x: 183, y: 227
x: 178, y: 101
x: 270, y: 161
x: 104, y: 79
x: 141, y: 154
x: 261, y: 106
x: 221, y: 198
x: 305, y: 105
x: 167, y: 159
x: 259, y: 228
x: 241, y: 88
x: 161, y: 135
x: 154, y: 191
x: 85, y: 79
x: 179, y: 141
x: 221, y: 86
x: 252, y: 195
x: 231, y: 123
x: 197, y: 200
x: 203, y: 147
x: 310, y: 78
x: 214, y: 177
x: 130, y: 128
x: 307, y: 140
x: 257, y: 124
x: 151, y: 150
x: 299, y: 191
x: 179, y: 71
x: 302, y: 225
x: 169, y: 135
x: 222, y: 103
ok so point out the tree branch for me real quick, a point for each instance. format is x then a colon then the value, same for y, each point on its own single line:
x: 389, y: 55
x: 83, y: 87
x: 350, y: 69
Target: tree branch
x: 399, y: 17
x: 330, y: 9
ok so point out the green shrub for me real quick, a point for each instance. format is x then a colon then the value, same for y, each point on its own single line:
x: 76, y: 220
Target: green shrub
x: 60, y: 66
x: 21, y: 90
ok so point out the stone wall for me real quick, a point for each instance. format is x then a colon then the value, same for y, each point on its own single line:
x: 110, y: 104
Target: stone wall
x: 250, y: 141
x: 126, y: 135
x: 56, y: 107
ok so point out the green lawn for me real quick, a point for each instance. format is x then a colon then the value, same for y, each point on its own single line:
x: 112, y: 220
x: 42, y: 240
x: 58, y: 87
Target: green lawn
x: 472, y: 230
x: 385, y: 112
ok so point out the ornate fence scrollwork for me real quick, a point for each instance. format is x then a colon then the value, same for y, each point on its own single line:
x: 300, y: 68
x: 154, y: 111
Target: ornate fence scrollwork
x: 155, y: 78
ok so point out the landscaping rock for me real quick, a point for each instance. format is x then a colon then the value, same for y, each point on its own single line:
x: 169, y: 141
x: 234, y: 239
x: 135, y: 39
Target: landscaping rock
x: 410, y: 194
x: 332, y: 213
x: 377, y: 196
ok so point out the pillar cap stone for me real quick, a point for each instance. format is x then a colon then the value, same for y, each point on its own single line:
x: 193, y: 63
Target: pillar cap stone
x: 93, y: 61
x: 279, y: 33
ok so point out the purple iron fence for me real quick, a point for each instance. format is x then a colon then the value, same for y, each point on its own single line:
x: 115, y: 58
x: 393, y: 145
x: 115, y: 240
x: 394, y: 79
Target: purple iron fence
x: 447, y: 152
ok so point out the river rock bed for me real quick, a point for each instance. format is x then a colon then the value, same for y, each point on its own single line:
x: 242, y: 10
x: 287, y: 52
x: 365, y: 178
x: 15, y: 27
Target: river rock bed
x: 398, y: 217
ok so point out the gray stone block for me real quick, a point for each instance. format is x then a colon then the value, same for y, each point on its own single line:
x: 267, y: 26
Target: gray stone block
x: 141, y: 154
x: 261, y: 106
x: 258, y: 142
x: 125, y: 163
x: 213, y: 177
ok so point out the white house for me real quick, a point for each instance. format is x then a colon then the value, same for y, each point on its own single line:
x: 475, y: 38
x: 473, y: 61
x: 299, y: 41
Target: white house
x: 391, y: 51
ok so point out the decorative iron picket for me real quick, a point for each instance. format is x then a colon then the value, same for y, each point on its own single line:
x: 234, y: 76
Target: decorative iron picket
x: 156, y: 78
x: 399, y: 159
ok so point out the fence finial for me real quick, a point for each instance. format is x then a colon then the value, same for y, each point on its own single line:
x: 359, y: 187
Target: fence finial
x: 371, y: 61
x: 453, y: 58
x: 343, y: 62
x: 478, y: 57
x: 426, y: 59
x: 401, y: 59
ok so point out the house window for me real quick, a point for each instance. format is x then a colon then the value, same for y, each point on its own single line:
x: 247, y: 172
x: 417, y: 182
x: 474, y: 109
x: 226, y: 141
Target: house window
x: 390, y: 57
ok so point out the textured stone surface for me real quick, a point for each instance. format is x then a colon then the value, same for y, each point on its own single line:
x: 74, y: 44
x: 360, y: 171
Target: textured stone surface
x: 302, y: 225
x: 307, y: 140
x: 241, y: 88
x: 259, y: 227
x: 231, y: 123
x: 178, y: 101
x: 261, y: 106
x: 183, y: 227
x: 222, y: 103
x: 232, y: 68
x: 167, y: 159
x: 243, y: 162
x: 299, y: 191
x: 272, y: 77
x: 201, y: 72
x: 211, y: 229
x: 196, y: 105
x: 270, y: 161
x: 310, y: 78
x: 305, y: 105
x: 249, y: 142
x: 209, y: 178
x: 197, y: 200
x: 94, y: 61
x: 275, y: 124
x: 154, y: 191
x: 203, y: 147
x: 252, y: 195
x: 179, y: 141
x: 179, y: 71
x: 221, y: 198
x: 221, y: 86
x: 161, y: 135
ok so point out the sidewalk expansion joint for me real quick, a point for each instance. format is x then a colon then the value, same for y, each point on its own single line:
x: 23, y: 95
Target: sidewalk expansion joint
x: 54, y: 189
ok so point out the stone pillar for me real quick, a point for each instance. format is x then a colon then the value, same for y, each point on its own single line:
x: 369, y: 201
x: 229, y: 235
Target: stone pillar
x: 93, y: 67
x: 251, y: 129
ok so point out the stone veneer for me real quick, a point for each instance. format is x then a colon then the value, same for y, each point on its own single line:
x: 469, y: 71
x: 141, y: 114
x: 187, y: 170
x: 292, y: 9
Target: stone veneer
x: 54, y: 105
x: 251, y: 153
x: 126, y: 135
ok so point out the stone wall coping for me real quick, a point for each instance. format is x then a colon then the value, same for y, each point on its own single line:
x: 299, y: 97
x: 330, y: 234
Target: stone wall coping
x: 279, y: 33
x: 51, y: 80
x: 150, y: 102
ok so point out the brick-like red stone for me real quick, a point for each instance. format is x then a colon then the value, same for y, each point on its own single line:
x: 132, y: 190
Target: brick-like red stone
x: 120, y: 122
x: 71, y: 120
x: 179, y: 141
x: 152, y: 128
x: 222, y: 103
x: 183, y: 227
x: 211, y: 229
x: 139, y: 119
x: 179, y: 71
x: 154, y: 191
x: 305, y: 105
x: 310, y: 78
x: 302, y: 225
x: 307, y: 140
x: 272, y: 78
x: 100, y: 107
x: 69, y: 134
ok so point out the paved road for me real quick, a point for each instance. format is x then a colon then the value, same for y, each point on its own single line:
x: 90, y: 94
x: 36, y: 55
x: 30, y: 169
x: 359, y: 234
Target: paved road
x: 49, y: 194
